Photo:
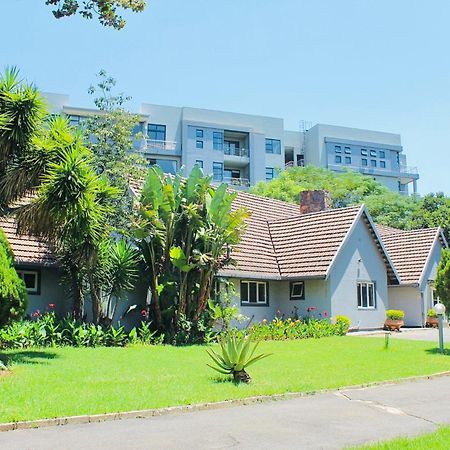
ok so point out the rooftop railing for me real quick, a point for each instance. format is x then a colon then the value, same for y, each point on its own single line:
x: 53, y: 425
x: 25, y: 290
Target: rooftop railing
x: 245, y: 182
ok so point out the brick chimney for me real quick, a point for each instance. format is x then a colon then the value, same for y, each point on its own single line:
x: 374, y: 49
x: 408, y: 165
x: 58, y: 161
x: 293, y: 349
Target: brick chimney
x: 314, y: 201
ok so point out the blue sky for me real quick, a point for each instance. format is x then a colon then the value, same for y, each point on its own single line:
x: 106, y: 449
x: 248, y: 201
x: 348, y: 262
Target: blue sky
x: 376, y: 64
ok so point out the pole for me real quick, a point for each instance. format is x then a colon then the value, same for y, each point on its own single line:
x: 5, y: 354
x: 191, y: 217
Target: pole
x: 441, y: 333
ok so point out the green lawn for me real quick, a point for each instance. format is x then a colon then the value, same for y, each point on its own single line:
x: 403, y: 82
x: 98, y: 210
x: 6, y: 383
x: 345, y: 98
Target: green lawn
x: 71, y: 381
x: 438, y: 440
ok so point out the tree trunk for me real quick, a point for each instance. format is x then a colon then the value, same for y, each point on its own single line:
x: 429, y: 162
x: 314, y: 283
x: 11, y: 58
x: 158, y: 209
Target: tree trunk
x: 96, y: 301
x: 77, y: 294
x: 241, y: 376
x: 156, y: 307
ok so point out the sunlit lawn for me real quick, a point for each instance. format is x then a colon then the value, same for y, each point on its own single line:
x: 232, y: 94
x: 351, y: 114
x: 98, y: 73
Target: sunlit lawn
x: 72, y: 381
x: 438, y: 440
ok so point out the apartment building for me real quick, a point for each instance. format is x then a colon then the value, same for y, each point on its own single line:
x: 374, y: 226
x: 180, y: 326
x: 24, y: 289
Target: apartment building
x: 242, y: 149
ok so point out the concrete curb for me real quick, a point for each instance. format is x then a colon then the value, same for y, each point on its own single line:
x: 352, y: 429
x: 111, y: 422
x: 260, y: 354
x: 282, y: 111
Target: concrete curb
x: 156, y: 412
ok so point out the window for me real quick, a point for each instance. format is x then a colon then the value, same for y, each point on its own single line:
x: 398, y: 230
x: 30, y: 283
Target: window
x: 364, y: 161
x: 217, y: 140
x: 232, y: 148
x: 273, y: 146
x: 364, y: 152
x: 434, y: 297
x: 199, y: 133
x: 217, y: 171
x: 347, y: 150
x: 74, y: 120
x: 338, y: 159
x: 399, y: 185
x: 297, y: 290
x: 366, y: 295
x: 383, y: 164
x: 199, y: 144
x: 231, y: 173
x: 373, y: 162
x: 373, y: 153
x: 254, y: 293
x: 156, y: 132
x: 348, y: 160
x: 166, y: 165
x: 382, y: 154
x: 270, y: 173
x: 30, y: 279
x: 337, y: 149
x: 199, y: 163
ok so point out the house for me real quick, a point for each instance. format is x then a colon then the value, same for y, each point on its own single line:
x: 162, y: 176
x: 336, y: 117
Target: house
x: 304, y: 259
x: 416, y: 255
x: 294, y: 257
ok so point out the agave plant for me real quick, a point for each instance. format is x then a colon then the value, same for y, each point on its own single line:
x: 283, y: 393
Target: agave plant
x: 237, y: 355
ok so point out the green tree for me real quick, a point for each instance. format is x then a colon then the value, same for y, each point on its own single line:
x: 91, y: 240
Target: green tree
x: 107, y: 11
x: 345, y: 189
x: 434, y: 211
x: 13, y: 295
x: 109, y: 135
x: 443, y: 279
x: 185, y: 232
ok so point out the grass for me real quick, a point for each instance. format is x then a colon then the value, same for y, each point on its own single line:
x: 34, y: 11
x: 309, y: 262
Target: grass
x: 58, y: 382
x: 438, y: 440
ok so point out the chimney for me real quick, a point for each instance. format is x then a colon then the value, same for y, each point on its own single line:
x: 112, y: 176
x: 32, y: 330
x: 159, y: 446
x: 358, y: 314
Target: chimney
x: 314, y: 201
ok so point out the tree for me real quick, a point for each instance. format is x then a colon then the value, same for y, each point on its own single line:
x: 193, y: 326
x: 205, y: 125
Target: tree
x: 434, y: 211
x: 185, y: 232
x: 345, y: 189
x: 105, y: 10
x: 443, y: 279
x: 109, y: 135
x: 13, y: 294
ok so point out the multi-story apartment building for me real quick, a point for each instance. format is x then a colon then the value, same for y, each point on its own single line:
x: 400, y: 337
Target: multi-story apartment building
x: 242, y: 149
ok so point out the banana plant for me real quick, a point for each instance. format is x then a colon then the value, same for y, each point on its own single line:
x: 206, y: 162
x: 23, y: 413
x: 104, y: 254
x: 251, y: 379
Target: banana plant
x: 236, y: 355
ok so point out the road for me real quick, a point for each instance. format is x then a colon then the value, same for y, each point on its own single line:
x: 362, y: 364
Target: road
x: 323, y: 421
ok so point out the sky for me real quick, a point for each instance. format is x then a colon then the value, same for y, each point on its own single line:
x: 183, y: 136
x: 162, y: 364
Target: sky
x: 372, y: 64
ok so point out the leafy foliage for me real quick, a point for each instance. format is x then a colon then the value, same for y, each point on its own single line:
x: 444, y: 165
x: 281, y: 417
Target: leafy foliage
x: 236, y: 355
x: 105, y: 10
x: 395, y: 314
x: 343, y: 323
x: 279, y: 329
x: 49, y: 331
x: 442, y: 282
x: 185, y: 232
x: 13, y: 295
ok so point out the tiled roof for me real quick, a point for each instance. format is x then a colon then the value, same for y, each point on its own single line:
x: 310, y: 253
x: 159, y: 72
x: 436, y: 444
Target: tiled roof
x: 27, y: 249
x: 409, y: 250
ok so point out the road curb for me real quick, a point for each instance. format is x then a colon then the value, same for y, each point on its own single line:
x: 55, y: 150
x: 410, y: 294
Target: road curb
x: 156, y: 412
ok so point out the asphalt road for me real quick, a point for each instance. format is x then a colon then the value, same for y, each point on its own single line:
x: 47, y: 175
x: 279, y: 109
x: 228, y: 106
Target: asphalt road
x: 324, y: 421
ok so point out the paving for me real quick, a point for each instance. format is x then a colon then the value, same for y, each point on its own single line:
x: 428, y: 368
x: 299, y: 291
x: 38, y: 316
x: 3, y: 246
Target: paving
x: 325, y: 421
x: 416, y: 334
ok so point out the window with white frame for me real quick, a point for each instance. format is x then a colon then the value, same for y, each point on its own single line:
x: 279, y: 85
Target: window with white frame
x: 254, y: 293
x: 297, y: 290
x: 366, y: 295
x: 30, y: 279
x: 434, y: 297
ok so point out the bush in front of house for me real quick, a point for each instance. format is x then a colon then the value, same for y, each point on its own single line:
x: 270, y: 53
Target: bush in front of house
x: 343, y: 323
x: 431, y: 313
x: 13, y: 295
x: 48, y: 331
x: 280, y: 329
x: 395, y: 314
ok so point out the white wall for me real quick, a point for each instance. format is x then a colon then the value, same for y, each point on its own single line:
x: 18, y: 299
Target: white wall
x: 409, y: 300
x: 359, y: 260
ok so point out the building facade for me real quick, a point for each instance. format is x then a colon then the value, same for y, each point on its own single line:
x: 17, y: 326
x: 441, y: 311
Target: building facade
x: 242, y: 149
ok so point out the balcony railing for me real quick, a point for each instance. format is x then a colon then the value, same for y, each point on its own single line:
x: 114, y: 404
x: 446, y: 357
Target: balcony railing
x: 160, y: 145
x: 242, y: 152
x: 406, y: 169
x: 245, y: 182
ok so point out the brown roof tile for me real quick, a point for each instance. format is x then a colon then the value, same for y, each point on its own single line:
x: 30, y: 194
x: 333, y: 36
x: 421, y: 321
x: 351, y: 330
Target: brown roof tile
x: 27, y: 249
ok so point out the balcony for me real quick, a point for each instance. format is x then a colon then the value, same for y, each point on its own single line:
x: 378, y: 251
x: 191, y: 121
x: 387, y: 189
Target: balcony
x: 241, y: 152
x: 409, y: 170
x: 240, y: 182
x: 151, y: 145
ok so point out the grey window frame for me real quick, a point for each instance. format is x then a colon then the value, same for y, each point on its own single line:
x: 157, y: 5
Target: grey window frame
x: 383, y: 164
x: 199, y: 133
x: 347, y: 159
x: 338, y: 159
x: 270, y: 170
x: 291, y: 290
x: 218, y: 140
x: 270, y: 148
x: 160, y: 128
x: 216, y: 165
x: 199, y: 144
x: 199, y: 163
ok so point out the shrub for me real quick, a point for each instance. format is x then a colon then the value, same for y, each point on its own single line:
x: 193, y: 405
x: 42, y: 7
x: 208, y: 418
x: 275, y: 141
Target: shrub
x: 13, y: 295
x: 343, y: 323
x: 49, y: 331
x: 395, y: 314
x: 431, y: 313
x: 280, y: 329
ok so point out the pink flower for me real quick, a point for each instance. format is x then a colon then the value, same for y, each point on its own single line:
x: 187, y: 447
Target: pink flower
x: 37, y: 313
x: 311, y: 308
x: 51, y: 305
x: 144, y: 313
x: 325, y: 314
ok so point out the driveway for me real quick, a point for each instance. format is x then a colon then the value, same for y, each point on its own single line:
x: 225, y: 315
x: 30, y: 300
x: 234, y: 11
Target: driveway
x: 324, y: 421
x: 416, y: 334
